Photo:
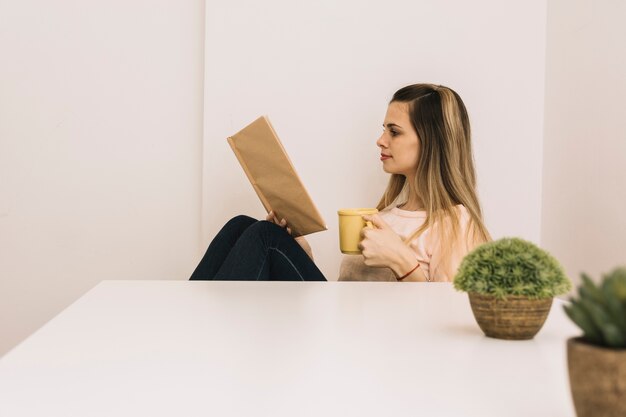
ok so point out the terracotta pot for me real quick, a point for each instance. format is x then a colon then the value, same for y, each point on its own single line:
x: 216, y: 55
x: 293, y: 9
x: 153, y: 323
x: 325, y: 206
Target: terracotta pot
x: 516, y: 318
x: 597, y: 377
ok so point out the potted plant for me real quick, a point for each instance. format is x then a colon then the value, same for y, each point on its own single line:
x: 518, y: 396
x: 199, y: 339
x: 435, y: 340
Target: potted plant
x: 511, y: 283
x: 597, y: 360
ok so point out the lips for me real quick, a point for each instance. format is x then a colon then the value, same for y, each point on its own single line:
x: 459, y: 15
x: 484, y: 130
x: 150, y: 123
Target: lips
x: 384, y: 157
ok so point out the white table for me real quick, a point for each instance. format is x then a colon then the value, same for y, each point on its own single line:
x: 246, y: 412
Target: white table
x: 174, y: 348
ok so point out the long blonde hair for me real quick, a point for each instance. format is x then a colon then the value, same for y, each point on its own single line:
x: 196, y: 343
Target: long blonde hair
x: 445, y: 175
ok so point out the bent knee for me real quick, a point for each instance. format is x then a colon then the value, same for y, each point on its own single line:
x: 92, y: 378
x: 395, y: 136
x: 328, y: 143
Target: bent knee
x: 241, y: 220
x: 265, y: 227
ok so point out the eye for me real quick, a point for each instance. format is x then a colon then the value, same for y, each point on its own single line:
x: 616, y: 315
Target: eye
x: 391, y: 132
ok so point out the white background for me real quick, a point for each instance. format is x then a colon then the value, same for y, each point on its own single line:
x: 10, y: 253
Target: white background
x: 101, y: 121
x: 324, y: 72
x: 584, y: 185
x: 100, y: 149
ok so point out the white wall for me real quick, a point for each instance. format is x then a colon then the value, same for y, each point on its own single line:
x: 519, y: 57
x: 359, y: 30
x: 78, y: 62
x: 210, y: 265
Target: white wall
x: 584, y: 197
x: 324, y: 71
x: 101, y: 118
x: 100, y: 149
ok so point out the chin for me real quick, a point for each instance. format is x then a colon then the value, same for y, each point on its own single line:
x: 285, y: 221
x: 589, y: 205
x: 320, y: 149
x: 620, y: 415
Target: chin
x: 389, y: 170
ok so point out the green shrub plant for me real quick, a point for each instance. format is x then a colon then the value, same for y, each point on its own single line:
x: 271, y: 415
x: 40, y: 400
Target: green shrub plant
x: 511, y: 266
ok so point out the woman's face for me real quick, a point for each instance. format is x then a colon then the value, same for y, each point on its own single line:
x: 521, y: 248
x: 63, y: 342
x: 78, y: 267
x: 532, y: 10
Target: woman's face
x: 399, y: 146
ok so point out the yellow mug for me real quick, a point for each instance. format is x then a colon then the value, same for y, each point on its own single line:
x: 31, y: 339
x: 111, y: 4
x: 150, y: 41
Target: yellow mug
x: 350, y: 225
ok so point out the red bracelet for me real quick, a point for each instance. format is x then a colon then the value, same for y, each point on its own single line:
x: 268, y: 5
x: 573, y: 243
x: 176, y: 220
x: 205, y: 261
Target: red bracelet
x: 409, y: 273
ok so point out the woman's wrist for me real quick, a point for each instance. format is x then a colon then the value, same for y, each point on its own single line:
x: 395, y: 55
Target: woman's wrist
x: 405, y: 263
x: 410, y: 273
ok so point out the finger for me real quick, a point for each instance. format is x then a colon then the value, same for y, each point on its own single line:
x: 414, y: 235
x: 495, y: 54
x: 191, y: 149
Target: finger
x: 368, y: 222
x: 377, y: 221
x: 289, y: 230
x: 283, y: 223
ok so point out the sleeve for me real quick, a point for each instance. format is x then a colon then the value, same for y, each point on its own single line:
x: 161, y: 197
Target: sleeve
x: 353, y: 268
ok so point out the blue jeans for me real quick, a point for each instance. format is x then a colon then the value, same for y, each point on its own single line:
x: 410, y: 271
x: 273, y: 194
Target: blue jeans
x: 250, y: 250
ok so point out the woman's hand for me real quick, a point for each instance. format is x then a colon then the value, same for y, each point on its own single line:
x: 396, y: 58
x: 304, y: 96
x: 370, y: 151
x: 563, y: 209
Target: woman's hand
x: 382, y: 247
x: 271, y: 217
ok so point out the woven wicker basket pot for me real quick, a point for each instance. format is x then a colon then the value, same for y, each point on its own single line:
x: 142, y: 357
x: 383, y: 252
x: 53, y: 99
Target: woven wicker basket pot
x: 597, y: 378
x: 516, y: 318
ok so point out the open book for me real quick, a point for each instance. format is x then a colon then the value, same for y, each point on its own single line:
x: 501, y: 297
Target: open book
x: 273, y: 177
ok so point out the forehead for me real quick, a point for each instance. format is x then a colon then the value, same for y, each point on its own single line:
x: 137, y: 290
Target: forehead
x: 398, y: 113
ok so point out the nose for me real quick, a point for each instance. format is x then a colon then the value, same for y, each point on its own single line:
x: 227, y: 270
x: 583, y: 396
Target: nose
x: 382, y: 141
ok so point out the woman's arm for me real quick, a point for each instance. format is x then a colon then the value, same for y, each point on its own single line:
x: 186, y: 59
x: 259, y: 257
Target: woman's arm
x: 382, y: 247
x: 305, y: 245
x: 407, y: 268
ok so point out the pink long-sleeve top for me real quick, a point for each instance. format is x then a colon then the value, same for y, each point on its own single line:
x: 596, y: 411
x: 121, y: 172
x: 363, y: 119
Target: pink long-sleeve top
x: 425, y: 246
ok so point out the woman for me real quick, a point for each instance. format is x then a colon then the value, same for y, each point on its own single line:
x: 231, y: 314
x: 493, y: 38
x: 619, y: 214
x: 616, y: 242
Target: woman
x: 429, y: 216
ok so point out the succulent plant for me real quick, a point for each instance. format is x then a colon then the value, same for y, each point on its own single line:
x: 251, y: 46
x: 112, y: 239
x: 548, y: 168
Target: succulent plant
x: 511, y: 266
x: 600, y: 310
